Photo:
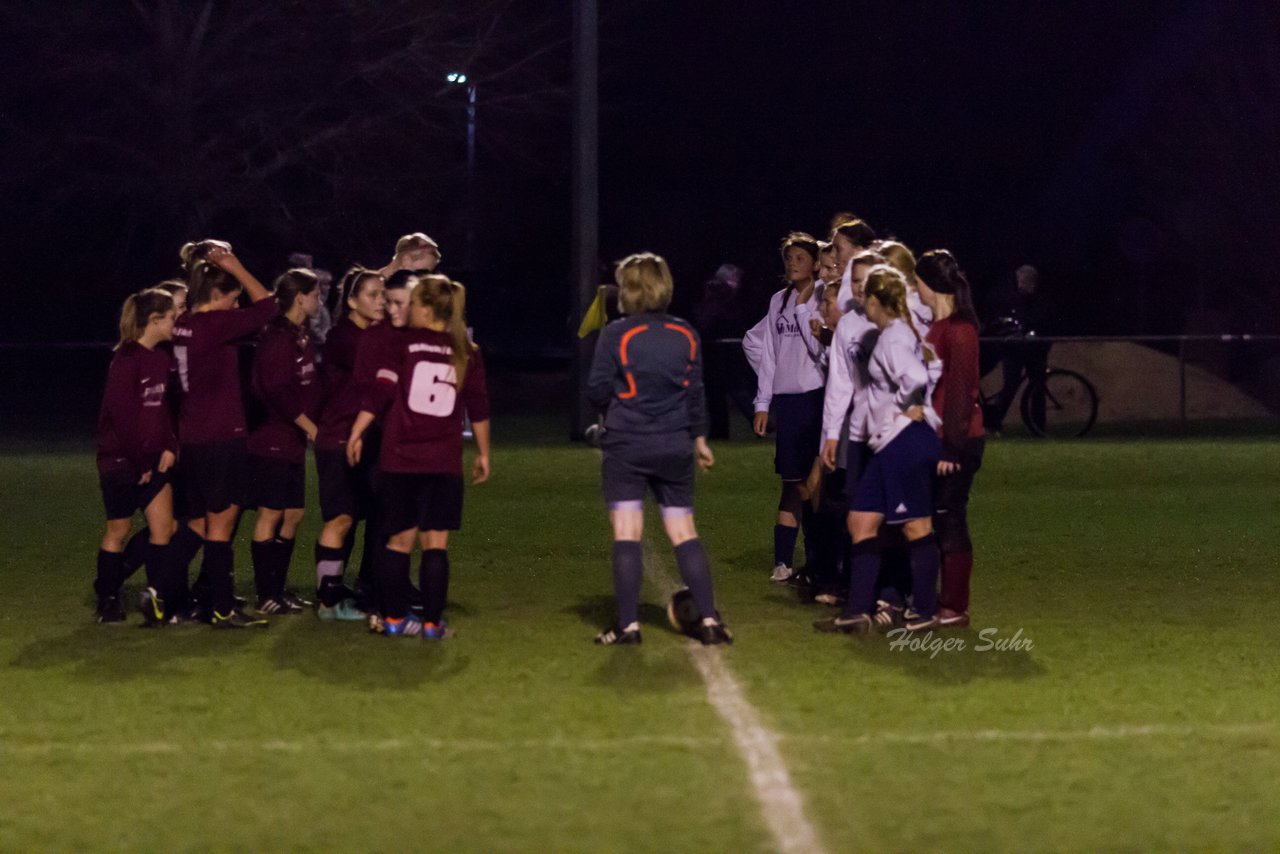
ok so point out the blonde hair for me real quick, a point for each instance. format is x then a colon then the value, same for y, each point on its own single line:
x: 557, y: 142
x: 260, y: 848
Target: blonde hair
x: 889, y: 286
x: 447, y: 300
x: 644, y: 283
x: 898, y: 256
x: 138, y: 310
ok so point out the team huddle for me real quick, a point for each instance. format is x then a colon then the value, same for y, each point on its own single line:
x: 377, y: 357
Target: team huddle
x: 868, y: 361
x: 382, y: 403
x: 867, y: 366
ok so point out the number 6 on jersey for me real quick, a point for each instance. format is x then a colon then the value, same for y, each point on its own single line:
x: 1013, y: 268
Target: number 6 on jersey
x: 433, y: 389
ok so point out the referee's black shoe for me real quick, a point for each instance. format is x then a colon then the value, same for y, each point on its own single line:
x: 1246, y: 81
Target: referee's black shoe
x: 711, y: 634
x: 616, y: 636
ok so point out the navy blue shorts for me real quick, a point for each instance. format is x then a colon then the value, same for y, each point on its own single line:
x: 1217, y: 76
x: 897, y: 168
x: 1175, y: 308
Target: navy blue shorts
x: 855, y: 464
x: 635, y: 463
x: 798, y: 419
x: 898, y: 481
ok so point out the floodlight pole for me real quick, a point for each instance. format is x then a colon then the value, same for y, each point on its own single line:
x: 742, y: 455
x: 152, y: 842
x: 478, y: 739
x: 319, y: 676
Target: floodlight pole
x: 586, y: 200
x: 471, y: 177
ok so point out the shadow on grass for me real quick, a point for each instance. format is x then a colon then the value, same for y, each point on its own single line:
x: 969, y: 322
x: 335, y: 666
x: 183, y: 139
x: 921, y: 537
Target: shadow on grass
x: 948, y: 658
x: 349, y: 655
x: 646, y: 669
x: 126, y: 651
x: 597, y: 611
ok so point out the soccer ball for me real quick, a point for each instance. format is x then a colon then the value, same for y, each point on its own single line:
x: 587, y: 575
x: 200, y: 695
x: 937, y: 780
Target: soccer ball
x: 683, y: 614
x: 594, y: 435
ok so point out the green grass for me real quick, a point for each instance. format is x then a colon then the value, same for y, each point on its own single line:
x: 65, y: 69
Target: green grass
x: 1143, y: 574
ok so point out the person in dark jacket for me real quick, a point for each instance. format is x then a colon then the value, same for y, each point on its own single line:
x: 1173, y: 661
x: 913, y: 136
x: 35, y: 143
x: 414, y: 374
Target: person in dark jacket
x: 647, y: 376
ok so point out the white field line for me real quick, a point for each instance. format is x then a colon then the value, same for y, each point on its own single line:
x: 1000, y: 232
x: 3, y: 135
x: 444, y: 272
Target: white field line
x: 359, y: 746
x: 780, y: 802
x: 1127, y: 732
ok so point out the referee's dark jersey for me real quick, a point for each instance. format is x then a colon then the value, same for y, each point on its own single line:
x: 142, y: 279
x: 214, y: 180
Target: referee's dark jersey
x: 647, y: 374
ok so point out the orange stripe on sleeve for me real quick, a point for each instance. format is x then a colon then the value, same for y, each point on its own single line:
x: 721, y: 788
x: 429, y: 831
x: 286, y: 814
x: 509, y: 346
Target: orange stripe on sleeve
x: 693, y: 342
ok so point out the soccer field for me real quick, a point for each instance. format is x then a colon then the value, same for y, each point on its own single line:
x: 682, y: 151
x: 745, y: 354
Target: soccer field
x: 1145, y: 714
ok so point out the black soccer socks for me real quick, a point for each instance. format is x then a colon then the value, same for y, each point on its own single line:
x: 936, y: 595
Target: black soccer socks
x: 433, y: 578
x: 924, y: 575
x: 628, y: 575
x: 695, y: 571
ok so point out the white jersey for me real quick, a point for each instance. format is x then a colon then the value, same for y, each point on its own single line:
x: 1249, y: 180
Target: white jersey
x: 921, y: 314
x: 899, y: 381
x: 845, y: 403
x: 845, y: 296
x: 784, y: 352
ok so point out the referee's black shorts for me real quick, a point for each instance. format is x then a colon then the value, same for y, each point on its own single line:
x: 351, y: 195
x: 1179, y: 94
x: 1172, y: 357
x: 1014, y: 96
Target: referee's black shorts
x: 636, y: 463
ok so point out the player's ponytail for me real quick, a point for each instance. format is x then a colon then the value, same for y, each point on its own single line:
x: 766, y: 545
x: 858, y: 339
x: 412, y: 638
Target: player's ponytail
x: 138, y: 310
x: 292, y: 284
x: 889, y: 286
x: 447, y: 300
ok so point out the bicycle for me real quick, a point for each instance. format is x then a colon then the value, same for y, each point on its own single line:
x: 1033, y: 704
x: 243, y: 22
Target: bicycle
x: 1056, y: 403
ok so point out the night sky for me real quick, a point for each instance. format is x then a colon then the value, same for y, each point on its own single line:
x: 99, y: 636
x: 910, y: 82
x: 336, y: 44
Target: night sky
x: 1098, y: 141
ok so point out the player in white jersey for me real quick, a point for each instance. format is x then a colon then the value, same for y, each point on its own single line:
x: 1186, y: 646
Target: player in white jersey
x: 787, y: 358
x: 896, y: 486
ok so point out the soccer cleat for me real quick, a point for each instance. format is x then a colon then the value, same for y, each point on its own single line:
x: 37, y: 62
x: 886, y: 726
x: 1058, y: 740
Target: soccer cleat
x: 683, y: 614
x: 345, y: 611
x: 856, y: 625
x: 913, y: 622
x: 887, y: 617
x: 238, y: 619
x: 711, y: 634
x: 110, y: 610
x: 404, y: 627
x: 781, y: 572
x: 615, y: 636
x: 827, y: 598
x: 948, y: 619
x: 153, y: 614
x: 376, y: 623
x: 293, y: 599
x: 435, y: 631
x: 277, y: 605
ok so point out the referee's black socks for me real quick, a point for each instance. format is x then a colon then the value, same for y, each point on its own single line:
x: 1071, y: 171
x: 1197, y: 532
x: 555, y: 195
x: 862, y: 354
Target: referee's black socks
x: 695, y: 571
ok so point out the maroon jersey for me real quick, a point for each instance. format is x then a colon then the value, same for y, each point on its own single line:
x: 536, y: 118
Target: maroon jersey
x: 135, y: 425
x: 284, y: 379
x: 340, y: 393
x: 423, y: 428
x: 377, y: 350
x: 204, y: 344
x: 955, y: 397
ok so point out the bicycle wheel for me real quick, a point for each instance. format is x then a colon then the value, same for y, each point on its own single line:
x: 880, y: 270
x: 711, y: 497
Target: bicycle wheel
x: 1062, y: 406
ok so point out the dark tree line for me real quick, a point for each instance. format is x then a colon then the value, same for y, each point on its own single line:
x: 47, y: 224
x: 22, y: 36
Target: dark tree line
x: 127, y: 128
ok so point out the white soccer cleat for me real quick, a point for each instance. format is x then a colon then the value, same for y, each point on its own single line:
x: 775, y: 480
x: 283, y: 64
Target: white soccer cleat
x: 781, y: 573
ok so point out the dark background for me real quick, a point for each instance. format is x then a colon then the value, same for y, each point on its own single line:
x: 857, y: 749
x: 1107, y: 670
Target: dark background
x: 1130, y: 151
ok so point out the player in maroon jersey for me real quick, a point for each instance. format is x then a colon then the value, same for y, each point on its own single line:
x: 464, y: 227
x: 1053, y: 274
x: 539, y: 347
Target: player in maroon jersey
x: 345, y: 491
x: 284, y: 380
x: 429, y: 379
x: 137, y: 449
x: 956, y: 398
x: 211, y: 419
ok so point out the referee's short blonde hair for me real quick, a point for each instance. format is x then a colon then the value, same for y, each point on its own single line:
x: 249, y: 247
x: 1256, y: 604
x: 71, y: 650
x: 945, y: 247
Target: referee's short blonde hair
x: 644, y: 283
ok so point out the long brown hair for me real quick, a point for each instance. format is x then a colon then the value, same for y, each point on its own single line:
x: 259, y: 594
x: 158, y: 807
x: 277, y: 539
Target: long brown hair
x: 294, y: 283
x: 137, y: 312
x: 447, y: 300
x: 940, y: 272
x: 205, y: 279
